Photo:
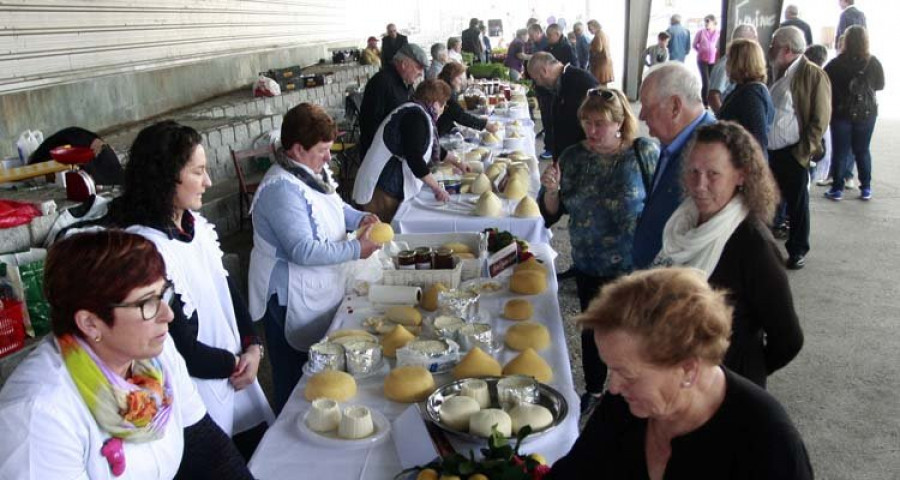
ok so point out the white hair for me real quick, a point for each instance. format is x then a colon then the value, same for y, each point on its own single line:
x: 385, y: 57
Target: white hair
x: 746, y: 31
x: 437, y: 50
x: 790, y: 37
x: 674, y: 79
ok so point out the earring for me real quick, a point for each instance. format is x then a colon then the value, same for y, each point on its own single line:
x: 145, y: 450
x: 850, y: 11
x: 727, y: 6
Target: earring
x: 686, y: 384
x: 619, y: 134
x: 97, y: 339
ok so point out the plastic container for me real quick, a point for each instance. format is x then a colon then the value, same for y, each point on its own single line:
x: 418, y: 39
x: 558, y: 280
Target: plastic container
x: 12, y: 323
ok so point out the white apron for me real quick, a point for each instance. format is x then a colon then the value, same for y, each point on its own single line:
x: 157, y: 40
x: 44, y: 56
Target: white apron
x: 314, y: 292
x: 196, y: 271
x: 377, y: 157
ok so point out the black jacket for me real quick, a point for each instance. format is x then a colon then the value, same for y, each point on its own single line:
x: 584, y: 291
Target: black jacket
x: 390, y: 46
x: 455, y: 113
x: 841, y: 70
x: 384, y: 92
x: 566, y: 128
x: 563, y: 52
x: 470, y: 42
x: 803, y: 26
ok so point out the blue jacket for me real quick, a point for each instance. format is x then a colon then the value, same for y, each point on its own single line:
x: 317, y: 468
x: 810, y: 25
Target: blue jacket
x: 664, y: 198
x: 679, y: 42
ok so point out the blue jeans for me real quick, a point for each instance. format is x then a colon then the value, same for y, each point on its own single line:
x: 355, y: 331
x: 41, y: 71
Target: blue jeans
x: 287, y: 363
x: 851, y: 137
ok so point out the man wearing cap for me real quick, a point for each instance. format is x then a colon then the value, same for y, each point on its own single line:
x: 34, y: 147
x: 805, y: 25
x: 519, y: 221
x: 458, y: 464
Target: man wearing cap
x: 371, y: 55
x: 387, y: 89
x: 391, y: 43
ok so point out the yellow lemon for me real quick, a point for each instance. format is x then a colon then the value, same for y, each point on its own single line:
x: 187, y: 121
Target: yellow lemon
x: 478, y: 476
x: 427, y: 474
x: 537, y: 457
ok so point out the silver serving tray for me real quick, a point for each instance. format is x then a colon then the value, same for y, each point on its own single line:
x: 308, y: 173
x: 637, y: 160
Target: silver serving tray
x: 549, y: 398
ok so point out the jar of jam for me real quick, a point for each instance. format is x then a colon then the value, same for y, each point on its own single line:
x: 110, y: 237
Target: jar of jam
x: 424, y: 258
x: 443, y: 259
x: 406, y: 260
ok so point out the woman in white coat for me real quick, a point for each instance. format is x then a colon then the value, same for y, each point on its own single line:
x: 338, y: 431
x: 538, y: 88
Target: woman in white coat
x: 165, y: 179
x: 107, y: 395
x: 397, y: 164
x: 300, y: 245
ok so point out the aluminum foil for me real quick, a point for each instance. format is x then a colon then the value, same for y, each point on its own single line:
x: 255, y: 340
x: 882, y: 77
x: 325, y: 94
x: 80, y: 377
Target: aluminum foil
x: 445, y: 326
x: 326, y: 356
x: 458, y: 303
x: 476, y: 335
x: 517, y: 389
x: 435, y: 362
x: 363, y: 357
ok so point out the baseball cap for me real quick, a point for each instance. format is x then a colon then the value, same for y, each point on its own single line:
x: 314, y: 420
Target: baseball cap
x: 416, y: 53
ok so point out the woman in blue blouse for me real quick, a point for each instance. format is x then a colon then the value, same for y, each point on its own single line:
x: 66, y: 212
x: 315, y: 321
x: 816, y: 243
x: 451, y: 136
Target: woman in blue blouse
x: 600, y: 183
x: 300, y: 245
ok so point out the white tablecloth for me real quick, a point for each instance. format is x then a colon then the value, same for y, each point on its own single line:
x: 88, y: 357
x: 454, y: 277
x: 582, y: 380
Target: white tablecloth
x: 285, y: 453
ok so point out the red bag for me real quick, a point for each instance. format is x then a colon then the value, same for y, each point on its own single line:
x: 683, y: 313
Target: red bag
x: 13, y: 214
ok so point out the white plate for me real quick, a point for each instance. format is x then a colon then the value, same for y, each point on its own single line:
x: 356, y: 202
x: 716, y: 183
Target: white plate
x: 331, y: 439
x: 483, y: 286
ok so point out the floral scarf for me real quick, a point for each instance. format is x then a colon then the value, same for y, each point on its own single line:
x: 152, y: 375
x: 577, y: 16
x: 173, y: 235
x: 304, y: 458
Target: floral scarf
x: 435, y: 141
x: 137, y: 409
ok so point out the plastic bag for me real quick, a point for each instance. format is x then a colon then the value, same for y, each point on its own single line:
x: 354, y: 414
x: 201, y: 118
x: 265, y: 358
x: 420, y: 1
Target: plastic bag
x: 266, y: 87
x: 32, y: 275
x: 13, y: 214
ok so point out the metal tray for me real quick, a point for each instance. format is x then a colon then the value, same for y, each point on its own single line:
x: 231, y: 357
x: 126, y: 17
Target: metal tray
x: 549, y: 398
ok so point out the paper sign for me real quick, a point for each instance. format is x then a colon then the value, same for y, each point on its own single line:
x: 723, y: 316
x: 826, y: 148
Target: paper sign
x: 502, y: 259
x: 411, y: 439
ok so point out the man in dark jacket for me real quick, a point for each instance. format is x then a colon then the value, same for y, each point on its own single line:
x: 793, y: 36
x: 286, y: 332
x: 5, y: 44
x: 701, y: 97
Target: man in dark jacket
x: 569, y: 85
x: 559, y: 47
x: 849, y: 16
x: 387, y: 89
x: 391, y: 43
x: 582, y: 46
x: 471, y: 40
x: 792, y: 19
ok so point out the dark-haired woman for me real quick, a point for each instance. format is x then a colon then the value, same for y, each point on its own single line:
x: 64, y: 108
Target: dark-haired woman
x: 454, y: 74
x: 107, y: 395
x: 165, y: 179
x: 300, y: 246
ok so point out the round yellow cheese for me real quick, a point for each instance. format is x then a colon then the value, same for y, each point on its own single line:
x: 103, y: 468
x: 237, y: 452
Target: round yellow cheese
x: 408, y: 384
x: 395, y: 339
x: 430, y: 298
x: 458, y: 247
x: 525, y: 335
x: 475, y: 364
x: 531, y: 264
x: 528, y: 282
x: 531, y: 364
x: 339, y: 386
x: 518, y: 309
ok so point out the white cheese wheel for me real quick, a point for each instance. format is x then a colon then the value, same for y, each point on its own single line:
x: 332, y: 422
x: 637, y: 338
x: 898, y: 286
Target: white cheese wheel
x: 356, y: 423
x: 455, y: 412
x: 480, y: 423
x: 477, y: 389
x: 537, y: 416
x: 324, y: 416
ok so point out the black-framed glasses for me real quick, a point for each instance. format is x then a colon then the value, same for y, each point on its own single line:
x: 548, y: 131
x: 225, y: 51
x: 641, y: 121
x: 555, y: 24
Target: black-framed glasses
x: 150, y: 306
x: 601, y: 92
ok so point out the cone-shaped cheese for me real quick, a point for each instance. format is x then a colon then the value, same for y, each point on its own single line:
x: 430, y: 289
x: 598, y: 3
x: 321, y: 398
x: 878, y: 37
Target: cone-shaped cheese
x: 408, y: 384
x: 379, y: 233
x: 495, y: 170
x: 489, y: 205
x: 339, y: 386
x: 518, y: 309
x: 475, y: 364
x: 475, y: 166
x: 481, y: 184
x: 527, y: 208
x: 404, y: 315
x: 528, y: 282
x: 430, y: 298
x: 396, y: 338
x: 489, y: 139
x: 531, y: 364
x: 516, y: 189
x: 525, y: 335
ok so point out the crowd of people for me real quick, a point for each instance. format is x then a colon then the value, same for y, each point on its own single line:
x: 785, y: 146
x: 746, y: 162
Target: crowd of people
x: 685, y: 300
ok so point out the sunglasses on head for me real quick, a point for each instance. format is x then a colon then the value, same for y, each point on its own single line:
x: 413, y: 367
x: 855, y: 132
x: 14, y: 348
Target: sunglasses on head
x: 602, y: 93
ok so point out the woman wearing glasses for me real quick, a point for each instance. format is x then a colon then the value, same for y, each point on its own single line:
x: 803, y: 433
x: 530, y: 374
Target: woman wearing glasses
x: 600, y: 183
x: 165, y: 179
x: 107, y: 395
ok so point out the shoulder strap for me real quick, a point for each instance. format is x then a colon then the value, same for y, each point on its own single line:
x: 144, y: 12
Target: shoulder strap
x: 642, y: 163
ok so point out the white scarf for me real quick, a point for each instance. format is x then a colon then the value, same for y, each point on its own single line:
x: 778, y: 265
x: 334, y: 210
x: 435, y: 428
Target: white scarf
x: 688, y: 244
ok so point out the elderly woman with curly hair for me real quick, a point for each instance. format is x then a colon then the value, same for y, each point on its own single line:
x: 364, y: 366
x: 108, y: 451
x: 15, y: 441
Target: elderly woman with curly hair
x: 165, y: 180
x: 672, y: 410
x: 720, y: 228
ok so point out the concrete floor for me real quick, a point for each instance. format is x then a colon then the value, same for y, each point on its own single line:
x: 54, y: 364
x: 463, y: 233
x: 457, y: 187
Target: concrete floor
x: 841, y: 391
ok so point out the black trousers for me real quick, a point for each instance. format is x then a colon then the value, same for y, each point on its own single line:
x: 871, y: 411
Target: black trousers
x: 793, y: 181
x: 545, y: 104
x: 594, y: 369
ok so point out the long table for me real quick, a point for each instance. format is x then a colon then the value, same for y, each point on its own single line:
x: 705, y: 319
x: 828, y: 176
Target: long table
x: 284, y: 452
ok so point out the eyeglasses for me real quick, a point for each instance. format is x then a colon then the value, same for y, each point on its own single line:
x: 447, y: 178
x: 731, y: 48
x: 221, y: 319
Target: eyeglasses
x: 150, y: 306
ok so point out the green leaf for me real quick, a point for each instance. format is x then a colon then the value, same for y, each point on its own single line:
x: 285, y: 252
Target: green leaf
x: 520, y: 436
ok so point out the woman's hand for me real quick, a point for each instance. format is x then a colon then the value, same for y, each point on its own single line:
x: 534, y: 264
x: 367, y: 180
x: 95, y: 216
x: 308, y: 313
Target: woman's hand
x: 550, y: 178
x: 246, y: 369
x: 366, y: 246
x: 492, y: 127
x: 441, y: 195
x: 369, y: 219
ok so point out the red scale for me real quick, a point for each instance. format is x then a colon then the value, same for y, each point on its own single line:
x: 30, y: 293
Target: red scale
x: 79, y: 184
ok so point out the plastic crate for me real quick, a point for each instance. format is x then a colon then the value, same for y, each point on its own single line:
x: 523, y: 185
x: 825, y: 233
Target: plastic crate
x: 424, y: 278
x: 12, y: 327
x: 477, y: 242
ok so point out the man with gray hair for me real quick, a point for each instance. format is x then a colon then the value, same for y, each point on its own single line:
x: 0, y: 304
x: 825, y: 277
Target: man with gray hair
x: 568, y: 85
x: 801, y: 95
x: 792, y: 19
x: 391, y: 43
x: 387, y: 89
x: 679, y: 39
x: 719, y: 83
x: 672, y: 109
x: 438, y: 60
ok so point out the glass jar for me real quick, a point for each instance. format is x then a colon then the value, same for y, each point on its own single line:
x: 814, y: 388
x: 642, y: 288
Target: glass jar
x: 424, y: 258
x: 443, y: 259
x: 406, y: 260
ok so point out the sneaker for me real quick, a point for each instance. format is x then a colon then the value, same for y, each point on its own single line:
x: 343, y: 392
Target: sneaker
x: 824, y: 183
x: 835, y: 195
x: 546, y: 155
x: 796, y: 262
x: 850, y: 184
x: 865, y: 193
